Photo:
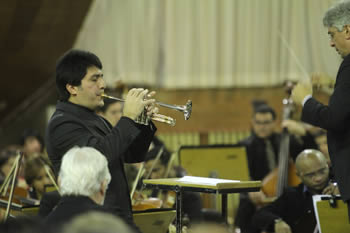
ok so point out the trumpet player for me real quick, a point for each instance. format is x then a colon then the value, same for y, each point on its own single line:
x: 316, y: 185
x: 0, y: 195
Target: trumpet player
x: 80, y: 85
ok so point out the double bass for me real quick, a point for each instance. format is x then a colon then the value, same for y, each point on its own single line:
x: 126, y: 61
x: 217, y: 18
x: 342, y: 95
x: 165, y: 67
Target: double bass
x: 284, y: 175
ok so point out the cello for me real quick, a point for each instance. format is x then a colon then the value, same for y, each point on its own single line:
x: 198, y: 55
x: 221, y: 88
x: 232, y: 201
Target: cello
x: 284, y: 175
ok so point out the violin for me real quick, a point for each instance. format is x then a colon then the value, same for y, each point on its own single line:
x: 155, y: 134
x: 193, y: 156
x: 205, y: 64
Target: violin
x: 142, y: 202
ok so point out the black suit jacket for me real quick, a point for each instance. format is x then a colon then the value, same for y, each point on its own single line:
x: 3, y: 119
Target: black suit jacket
x: 73, y: 125
x: 335, y: 118
x: 295, y: 207
x: 69, y: 207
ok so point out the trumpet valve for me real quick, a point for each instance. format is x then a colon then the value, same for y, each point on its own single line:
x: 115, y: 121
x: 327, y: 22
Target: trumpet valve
x: 188, y: 110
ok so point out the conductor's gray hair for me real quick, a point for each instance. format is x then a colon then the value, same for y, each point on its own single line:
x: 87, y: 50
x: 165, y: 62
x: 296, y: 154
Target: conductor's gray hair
x: 82, y: 172
x: 338, y: 15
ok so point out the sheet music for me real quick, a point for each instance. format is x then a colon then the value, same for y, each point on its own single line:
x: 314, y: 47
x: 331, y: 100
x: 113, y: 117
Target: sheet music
x: 204, y: 180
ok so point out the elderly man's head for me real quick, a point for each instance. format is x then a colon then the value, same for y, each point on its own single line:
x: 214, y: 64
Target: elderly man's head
x: 84, y: 171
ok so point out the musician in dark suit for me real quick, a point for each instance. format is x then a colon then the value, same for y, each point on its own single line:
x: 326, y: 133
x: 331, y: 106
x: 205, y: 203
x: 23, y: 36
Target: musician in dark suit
x: 80, y: 85
x: 262, y: 148
x: 295, y: 205
x: 334, y: 117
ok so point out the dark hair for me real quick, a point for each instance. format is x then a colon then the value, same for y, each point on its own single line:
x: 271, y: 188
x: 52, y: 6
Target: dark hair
x: 71, y: 69
x: 31, y: 133
x: 32, y: 168
x: 264, y: 108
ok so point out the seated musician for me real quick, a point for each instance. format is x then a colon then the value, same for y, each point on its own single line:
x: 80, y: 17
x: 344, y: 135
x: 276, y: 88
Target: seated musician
x: 7, y: 159
x: 262, y: 148
x: 36, y: 173
x: 32, y: 143
x: 293, y: 210
x: 83, y: 181
x: 163, y: 168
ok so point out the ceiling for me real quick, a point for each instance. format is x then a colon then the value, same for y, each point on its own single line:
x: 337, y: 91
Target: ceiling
x: 33, y: 34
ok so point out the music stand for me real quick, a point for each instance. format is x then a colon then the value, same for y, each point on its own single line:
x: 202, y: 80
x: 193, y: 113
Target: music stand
x: 201, y: 184
x: 154, y: 220
x: 331, y: 218
x: 215, y: 161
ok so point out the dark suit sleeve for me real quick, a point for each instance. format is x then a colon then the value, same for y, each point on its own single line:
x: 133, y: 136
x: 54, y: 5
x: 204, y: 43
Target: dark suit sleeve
x: 334, y: 116
x: 264, y: 217
x: 138, y: 150
x: 67, y: 133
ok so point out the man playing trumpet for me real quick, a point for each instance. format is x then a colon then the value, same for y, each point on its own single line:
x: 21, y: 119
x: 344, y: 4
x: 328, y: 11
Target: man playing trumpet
x: 80, y: 85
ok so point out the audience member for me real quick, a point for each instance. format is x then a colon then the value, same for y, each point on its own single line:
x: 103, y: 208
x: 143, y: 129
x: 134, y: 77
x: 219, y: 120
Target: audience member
x: 83, y: 181
x: 97, y: 222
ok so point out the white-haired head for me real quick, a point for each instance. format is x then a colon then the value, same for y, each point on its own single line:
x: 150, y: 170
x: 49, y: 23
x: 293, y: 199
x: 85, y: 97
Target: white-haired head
x: 83, y: 170
x: 338, y: 15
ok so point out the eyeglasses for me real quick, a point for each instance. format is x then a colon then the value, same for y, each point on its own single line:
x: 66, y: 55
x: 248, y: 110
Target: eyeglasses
x: 322, y: 171
x: 263, y: 122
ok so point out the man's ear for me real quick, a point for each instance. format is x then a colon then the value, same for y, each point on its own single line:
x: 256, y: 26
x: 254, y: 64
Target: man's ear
x: 103, y: 187
x: 71, y: 89
x: 347, y: 31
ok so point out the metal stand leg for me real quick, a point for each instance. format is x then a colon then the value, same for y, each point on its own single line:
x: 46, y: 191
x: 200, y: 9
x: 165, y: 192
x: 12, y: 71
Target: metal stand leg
x: 224, y: 206
x: 178, y: 209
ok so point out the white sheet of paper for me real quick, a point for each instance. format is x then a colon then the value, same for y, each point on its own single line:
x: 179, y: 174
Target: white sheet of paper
x: 204, y: 180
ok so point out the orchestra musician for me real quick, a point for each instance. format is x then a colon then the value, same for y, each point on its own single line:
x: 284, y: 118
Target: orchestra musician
x: 293, y: 211
x: 262, y: 146
x: 37, y: 173
x: 80, y: 85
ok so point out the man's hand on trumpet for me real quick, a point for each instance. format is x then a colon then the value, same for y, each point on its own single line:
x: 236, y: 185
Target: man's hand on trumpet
x: 151, y: 108
x: 136, y: 102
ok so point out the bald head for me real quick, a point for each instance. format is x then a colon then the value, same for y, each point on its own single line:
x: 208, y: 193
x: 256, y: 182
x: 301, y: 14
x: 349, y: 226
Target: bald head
x: 309, y: 157
x: 312, y: 168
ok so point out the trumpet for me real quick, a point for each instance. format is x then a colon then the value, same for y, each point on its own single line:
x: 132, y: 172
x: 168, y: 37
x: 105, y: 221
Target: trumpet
x: 143, y: 119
